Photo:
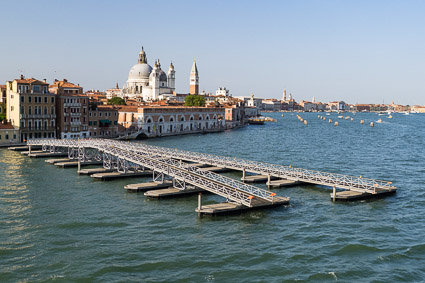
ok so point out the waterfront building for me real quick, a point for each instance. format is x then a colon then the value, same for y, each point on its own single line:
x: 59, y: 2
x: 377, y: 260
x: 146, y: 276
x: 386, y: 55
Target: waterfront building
x: 417, y: 109
x: 8, y: 134
x: 149, y: 83
x: 362, y: 107
x: 235, y: 115
x: 154, y: 121
x: 31, y: 108
x: 308, y: 106
x: 321, y: 106
x: 251, y: 111
x: 194, y: 79
x: 103, y: 121
x: 251, y: 101
x: 336, y: 106
x: 71, y: 110
x: 271, y: 105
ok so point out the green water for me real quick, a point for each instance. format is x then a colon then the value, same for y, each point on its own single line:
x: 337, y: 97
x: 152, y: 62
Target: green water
x: 58, y: 226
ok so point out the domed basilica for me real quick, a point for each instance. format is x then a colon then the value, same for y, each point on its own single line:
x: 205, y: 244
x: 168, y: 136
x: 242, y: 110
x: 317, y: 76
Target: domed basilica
x: 149, y: 83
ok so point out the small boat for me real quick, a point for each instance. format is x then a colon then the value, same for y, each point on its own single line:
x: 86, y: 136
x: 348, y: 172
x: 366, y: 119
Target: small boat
x: 379, y: 121
x: 256, y: 121
x: 390, y: 116
x: 283, y: 115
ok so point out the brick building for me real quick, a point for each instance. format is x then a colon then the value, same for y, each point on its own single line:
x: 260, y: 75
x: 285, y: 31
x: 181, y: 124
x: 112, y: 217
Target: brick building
x: 72, y: 105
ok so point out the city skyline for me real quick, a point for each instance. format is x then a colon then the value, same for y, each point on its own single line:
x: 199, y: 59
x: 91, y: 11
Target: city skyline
x: 359, y: 52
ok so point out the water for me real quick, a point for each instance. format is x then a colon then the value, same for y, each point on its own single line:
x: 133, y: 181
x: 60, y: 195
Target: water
x: 58, y: 226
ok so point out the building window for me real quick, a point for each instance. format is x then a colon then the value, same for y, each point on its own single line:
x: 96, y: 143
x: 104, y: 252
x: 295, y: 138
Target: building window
x: 11, y: 108
x: 22, y: 98
x: 22, y: 110
x: 45, y: 99
x: 29, y: 99
x: 52, y: 100
x: 36, y: 88
x: 52, y: 110
x: 45, y: 110
x: 29, y: 110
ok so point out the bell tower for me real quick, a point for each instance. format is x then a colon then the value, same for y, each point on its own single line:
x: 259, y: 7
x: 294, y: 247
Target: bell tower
x: 194, y: 79
x: 171, y: 77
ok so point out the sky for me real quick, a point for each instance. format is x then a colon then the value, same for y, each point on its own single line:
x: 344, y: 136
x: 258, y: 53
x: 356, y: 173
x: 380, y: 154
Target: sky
x: 357, y: 51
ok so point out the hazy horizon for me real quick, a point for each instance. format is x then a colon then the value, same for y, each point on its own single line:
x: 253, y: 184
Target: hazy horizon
x: 356, y: 51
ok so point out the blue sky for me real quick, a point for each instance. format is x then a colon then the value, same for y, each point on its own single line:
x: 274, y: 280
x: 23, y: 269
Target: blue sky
x: 356, y: 51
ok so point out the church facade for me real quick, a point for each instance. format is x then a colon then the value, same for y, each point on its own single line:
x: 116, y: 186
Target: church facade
x: 147, y: 82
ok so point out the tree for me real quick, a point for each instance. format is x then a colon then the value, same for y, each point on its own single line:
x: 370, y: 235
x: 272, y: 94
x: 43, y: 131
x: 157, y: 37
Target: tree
x: 116, y: 101
x: 194, y: 100
x: 2, y: 117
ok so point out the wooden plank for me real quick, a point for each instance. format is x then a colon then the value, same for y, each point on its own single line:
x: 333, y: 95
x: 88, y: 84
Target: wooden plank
x: 171, y: 192
x: 117, y: 175
x: 95, y: 170
x: 231, y: 207
x: 353, y: 195
x: 282, y: 183
x: 143, y: 187
x: 57, y: 160
x: 75, y: 163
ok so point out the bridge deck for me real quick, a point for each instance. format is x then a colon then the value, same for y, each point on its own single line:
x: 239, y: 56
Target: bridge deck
x: 228, y: 188
x: 175, y: 157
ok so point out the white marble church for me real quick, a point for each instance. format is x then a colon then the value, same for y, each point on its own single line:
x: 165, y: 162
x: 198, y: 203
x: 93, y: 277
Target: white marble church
x: 149, y: 83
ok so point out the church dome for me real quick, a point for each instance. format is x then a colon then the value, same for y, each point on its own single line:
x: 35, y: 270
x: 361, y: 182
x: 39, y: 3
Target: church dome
x: 140, y: 71
x: 162, y: 76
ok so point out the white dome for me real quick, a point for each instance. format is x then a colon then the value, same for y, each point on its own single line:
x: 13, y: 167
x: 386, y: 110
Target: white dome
x: 140, y: 71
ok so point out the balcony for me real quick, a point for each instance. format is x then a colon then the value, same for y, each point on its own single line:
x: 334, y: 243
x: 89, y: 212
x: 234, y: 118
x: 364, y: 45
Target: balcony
x: 75, y: 123
x: 72, y: 104
x: 39, y: 116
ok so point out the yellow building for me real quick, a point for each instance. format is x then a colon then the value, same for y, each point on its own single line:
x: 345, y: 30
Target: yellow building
x: 31, y: 108
x: 8, y: 134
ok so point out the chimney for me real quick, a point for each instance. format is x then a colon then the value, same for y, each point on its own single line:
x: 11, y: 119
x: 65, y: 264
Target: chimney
x: 45, y: 80
x: 65, y: 80
x: 22, y: 77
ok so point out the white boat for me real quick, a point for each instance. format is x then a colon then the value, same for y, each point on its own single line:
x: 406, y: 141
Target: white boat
x: 379, y: 121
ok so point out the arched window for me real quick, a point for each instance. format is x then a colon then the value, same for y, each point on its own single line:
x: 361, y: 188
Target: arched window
x: 182, y: 118
x: 161, y: 120
x: 207, y: 118
x: 149, y: 121
x: 171, y: 119
x: 191, y: 118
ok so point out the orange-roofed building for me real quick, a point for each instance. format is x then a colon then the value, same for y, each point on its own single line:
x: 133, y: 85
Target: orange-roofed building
x: 72, y: 110
x: 31, y: 108
x: 8, y: 134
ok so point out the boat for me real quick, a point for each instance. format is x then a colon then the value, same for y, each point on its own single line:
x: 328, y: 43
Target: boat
x: 283, y: 115
x: 390, y: 116
x: 256, y: 121
x: 379, y: 121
